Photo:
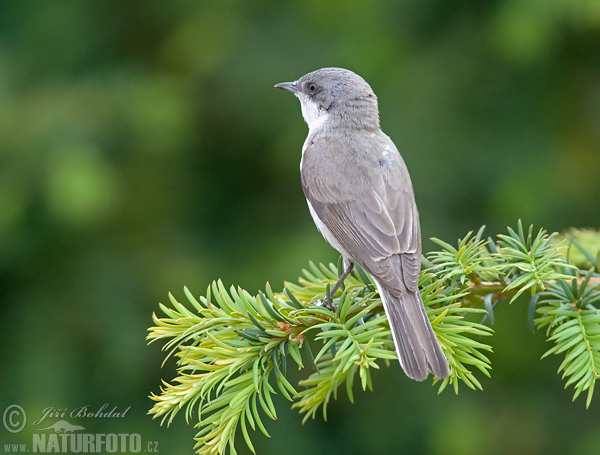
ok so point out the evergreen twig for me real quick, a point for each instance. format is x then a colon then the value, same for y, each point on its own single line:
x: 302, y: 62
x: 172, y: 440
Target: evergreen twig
x: 234, y: 349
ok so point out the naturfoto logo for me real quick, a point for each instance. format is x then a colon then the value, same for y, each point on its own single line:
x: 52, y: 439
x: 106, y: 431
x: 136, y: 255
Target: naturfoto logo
x: 62, y: 426
x: 57, y: 431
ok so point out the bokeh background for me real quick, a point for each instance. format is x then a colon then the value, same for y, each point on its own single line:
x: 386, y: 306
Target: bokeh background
x: 143, y: 148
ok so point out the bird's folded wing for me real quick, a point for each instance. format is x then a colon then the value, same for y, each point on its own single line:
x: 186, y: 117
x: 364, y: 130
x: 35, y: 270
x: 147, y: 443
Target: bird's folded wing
x: 378, y: 226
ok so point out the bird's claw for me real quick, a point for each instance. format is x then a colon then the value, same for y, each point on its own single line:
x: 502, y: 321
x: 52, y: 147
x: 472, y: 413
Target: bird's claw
x: 326, y: 304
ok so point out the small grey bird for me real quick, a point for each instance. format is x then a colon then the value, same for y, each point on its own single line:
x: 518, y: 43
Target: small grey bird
x: 361, y: 198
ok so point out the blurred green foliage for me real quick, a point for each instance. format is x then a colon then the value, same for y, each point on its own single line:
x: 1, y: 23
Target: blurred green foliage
x: 142, y: 148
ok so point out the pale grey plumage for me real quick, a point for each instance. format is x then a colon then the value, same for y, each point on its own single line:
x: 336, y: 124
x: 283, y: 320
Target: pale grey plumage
x: 361, y: 197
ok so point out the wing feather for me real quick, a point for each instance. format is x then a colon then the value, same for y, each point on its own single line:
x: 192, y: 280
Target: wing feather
x: 375, y: 221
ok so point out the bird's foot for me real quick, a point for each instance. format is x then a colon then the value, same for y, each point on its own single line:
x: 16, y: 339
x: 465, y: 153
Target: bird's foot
x: 325, y: 303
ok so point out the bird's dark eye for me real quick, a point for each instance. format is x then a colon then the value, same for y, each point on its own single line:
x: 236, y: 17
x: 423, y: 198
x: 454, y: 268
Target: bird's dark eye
x: 312, y: 87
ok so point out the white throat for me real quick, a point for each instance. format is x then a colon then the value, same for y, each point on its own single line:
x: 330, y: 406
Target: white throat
x: 314, y: 116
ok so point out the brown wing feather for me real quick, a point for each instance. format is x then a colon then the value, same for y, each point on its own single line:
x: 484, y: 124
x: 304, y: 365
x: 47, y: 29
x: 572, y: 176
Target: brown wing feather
x: 376, y: 222
x: 370, y: 211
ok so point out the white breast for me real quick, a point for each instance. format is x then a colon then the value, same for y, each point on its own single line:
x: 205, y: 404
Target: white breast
x: 314, y: 117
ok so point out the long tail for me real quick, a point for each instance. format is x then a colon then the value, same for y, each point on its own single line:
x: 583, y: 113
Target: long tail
x: 418, y: 349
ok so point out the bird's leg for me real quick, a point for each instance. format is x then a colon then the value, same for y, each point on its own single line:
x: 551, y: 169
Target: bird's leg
x: 348, y: 269
x: 349, y: 265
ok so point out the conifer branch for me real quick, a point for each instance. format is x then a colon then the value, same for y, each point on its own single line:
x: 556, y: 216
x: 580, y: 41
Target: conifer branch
x: 234, y: 349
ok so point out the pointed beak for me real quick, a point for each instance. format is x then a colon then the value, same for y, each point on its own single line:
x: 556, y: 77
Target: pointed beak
x: 289, y: 86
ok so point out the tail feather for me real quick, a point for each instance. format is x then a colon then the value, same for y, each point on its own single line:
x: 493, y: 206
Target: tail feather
x: 418, y: 349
